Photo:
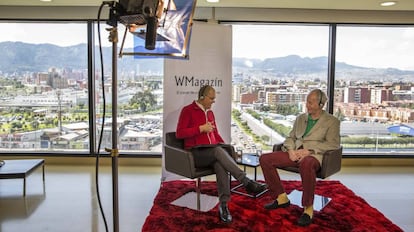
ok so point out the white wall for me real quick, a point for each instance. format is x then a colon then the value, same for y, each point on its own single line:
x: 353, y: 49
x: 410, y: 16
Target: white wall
x: 209, y: 59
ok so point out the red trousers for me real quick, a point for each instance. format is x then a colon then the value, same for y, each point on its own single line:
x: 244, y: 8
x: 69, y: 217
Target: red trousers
x: 308, y: 167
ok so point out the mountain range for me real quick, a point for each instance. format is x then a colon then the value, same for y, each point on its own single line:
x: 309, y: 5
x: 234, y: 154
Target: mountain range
x: 19, y: 57
x: 296, y: 66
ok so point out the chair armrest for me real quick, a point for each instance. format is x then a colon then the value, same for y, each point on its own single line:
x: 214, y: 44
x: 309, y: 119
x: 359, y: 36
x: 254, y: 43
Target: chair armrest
x: 179, y: 161
x: 277, y: 147
x: 230, y: 150
x: 331, y: 162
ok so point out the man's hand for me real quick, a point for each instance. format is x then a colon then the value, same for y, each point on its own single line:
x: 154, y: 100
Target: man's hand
x: 293, y: 155
x: 298, y: 155
x: 206, y: 128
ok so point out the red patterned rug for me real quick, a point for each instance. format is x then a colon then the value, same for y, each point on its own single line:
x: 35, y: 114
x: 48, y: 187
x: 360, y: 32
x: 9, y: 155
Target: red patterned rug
x: 345, y: 212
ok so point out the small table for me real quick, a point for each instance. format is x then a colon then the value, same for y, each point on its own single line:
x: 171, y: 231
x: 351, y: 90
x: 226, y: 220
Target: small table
x: 249, y: 160
x: 319, y: 201
x: 14, y: 169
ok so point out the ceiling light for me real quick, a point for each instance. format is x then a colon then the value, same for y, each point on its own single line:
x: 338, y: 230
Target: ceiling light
x: 388, y: 3
x: 212, y: 1
x: 45, y: 0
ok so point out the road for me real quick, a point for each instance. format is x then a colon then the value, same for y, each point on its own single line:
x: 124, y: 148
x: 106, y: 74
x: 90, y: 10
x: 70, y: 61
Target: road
x: 261, y: 129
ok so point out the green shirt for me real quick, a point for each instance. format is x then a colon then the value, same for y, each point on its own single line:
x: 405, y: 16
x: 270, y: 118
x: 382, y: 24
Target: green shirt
x: 310, y: 124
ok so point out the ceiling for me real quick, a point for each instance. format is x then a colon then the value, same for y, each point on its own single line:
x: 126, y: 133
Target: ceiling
x: 402, y: 5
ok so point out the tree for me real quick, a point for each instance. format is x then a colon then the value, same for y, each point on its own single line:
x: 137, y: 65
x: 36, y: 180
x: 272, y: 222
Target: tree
x: 287, y: 109
x: 35, y: 124
x: 143, y: 100
x: 265, y: 108
x: 265, y: 138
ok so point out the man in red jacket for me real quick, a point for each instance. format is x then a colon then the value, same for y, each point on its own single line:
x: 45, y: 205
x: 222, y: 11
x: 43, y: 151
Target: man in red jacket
x: 197, y: 126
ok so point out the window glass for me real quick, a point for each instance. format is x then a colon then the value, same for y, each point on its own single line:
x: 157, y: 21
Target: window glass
x: 374, y: 88
x: 44, y: 87
x: 274, y: 68
x: 139, y: 85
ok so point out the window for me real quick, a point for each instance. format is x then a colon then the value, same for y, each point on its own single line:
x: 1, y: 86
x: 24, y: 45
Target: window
x: 374, y: 88
x: 373, y: 94
x: 274, y: 68
x: 44, y: 86
x: 140, y: 97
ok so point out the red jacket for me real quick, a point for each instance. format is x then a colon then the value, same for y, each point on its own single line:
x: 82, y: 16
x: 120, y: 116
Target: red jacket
x: 188, y: 127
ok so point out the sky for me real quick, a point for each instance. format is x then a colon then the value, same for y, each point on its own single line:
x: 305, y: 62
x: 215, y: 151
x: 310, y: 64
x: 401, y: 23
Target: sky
x: 376, y: 47
x: 54, y: 33
x: 71, y: 34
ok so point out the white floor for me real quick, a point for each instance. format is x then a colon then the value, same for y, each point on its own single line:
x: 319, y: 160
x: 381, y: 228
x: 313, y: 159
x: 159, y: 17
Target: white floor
x: 69, y: 200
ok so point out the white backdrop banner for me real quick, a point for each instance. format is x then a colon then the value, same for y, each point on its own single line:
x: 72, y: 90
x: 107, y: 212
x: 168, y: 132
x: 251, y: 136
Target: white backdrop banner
x: 209, y: 63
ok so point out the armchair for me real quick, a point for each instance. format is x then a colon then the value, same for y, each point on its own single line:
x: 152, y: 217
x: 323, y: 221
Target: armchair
x: 181, y: 162
x: 331, y: 162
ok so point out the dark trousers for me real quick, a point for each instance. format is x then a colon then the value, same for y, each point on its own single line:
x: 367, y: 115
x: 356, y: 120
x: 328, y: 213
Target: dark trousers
x: 223, y: 164
x: 307, y: 167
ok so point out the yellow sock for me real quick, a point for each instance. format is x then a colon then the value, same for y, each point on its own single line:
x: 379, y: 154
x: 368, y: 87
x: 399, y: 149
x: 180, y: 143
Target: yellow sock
x: 282, y: 198
x: 309, y: 210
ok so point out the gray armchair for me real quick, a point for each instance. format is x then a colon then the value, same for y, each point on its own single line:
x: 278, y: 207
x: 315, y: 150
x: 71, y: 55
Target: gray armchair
x: 331, y: 162
x: 181, y: 162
